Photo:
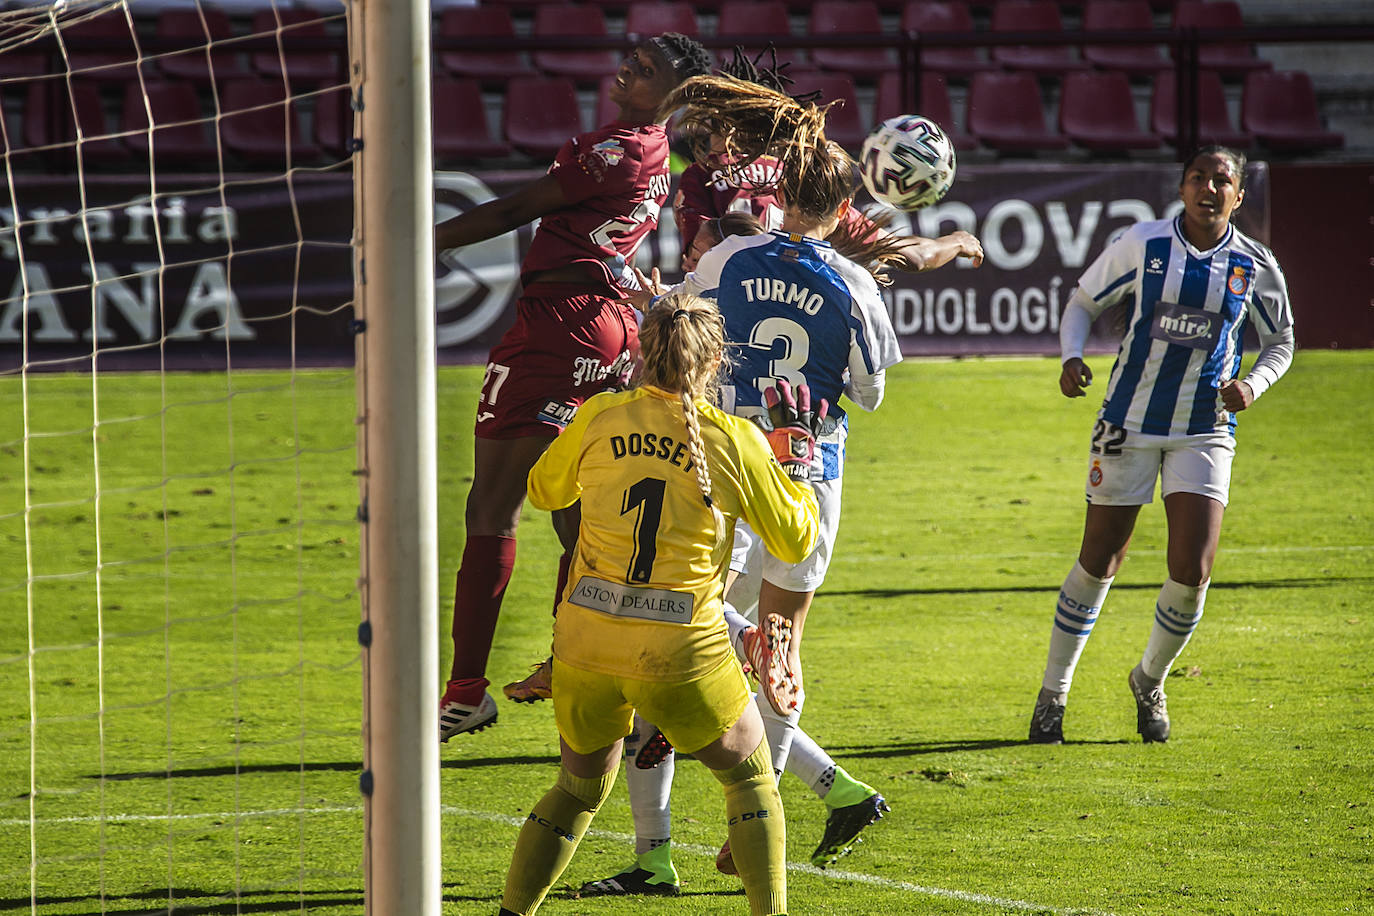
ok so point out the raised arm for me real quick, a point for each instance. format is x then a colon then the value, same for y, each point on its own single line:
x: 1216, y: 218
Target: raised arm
x: 499, y: 216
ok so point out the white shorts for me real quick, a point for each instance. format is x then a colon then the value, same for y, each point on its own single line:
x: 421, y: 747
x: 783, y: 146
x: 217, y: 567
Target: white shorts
x: 1123, y: 466
x: 748, y: 557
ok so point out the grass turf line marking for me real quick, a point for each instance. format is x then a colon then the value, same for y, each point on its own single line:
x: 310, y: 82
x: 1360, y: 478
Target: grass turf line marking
x: 1006, y: 903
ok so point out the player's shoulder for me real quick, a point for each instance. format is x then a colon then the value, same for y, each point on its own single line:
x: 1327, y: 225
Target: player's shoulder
x: 735, y: 428
x: 617, y: 145
x: 1253, y: 247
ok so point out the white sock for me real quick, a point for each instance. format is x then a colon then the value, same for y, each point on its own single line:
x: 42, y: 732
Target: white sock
x: 1177, y: 613
x: 779, y: 731
x: 649, y: 792
x: 809, y: 762
x: 1075, y: 612
x: 736, y: 623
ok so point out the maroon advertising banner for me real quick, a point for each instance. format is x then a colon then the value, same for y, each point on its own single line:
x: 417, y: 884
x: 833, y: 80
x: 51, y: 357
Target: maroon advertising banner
x: 258, y: 270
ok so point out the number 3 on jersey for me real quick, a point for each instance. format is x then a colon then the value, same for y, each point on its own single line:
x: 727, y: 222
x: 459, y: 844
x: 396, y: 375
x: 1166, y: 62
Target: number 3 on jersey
x: 796, y: 350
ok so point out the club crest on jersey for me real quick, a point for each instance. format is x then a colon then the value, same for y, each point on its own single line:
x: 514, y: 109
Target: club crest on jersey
x: 1095, y: 475
x: 1237, y: 283
x: 602, y: 156
x: 1194, y: 328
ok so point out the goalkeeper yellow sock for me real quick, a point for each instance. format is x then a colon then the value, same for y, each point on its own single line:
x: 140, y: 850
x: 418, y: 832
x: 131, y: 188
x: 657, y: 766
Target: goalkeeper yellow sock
x: 758, y: 836
x: 550, y: 836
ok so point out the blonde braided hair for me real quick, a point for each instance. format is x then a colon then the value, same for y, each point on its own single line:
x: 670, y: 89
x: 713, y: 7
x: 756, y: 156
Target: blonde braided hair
x: 682, y: 344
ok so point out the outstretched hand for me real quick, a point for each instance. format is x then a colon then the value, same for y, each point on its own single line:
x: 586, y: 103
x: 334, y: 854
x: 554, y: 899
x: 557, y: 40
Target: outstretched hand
x: 792, y: 426
x: 649, y: 287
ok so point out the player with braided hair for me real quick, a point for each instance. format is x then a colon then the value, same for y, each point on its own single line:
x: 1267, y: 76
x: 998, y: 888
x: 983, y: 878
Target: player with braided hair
x: 661, y: 474
x: 572, y: 337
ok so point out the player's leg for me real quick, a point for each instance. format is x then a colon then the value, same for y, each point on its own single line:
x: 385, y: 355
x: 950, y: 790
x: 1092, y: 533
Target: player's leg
x: 538, y: 684
x: 500, y: 470
x: 1195, y: 482
x: 556, y: 824
x: 1118, y: 484
x: 650, y: 787
x: 851, y: 805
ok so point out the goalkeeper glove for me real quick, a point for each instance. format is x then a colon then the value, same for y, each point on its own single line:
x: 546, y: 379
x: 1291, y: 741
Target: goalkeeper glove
x: 792, y: 426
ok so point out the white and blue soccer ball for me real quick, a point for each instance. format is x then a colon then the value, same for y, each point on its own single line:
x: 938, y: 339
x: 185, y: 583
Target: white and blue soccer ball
x: 907, y: 162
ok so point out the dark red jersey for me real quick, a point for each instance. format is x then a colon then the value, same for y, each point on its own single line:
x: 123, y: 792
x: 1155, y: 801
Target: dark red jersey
x: 703, y: 195
x: 615, y: 179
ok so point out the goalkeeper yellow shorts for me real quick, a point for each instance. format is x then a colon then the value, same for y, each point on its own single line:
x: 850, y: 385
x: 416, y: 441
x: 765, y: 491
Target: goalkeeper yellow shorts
x: 596, y: 710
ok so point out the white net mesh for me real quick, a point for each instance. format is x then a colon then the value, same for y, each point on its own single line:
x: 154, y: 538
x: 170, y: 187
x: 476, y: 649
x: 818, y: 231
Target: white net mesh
x: 178, y: 547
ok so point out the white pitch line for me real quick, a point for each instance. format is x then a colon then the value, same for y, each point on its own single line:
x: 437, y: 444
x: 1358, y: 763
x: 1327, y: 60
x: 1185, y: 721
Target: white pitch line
x: 1006, y: 903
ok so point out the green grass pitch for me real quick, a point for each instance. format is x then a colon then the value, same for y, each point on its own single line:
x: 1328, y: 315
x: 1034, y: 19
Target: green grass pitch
x: 180, y: 679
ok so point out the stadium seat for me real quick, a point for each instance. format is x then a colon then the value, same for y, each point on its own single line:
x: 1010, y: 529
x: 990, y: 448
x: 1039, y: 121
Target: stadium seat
x: 334, y: 122
x: 1033, y: 16
x: 649, y: 19
x: 102, y: 47
x: 1227, y: 58
x: 830, y: 18
x: 1122, y: 16
x: 181, y: 135
x: 186, y: 27
x: 480, y: 22
x: 541, y: 114
x: 1097, y: 112
x: 1214, y: 121
x: 1006, y: 113
x: 52, y: 112
x: 304, y: 67
x: 253, y: 124
x: 933, y: 103
x: 573, y: 20
x: 461, y: 133
x: 1280, y: 108
x: 752, y: 23
x: 920, y: 16
x: 845, y: 122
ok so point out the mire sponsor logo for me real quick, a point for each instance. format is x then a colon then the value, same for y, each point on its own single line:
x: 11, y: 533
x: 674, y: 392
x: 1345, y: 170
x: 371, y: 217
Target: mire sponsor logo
x: 1188, y: 327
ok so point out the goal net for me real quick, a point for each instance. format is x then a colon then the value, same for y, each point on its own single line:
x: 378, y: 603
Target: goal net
x: 179, y: 470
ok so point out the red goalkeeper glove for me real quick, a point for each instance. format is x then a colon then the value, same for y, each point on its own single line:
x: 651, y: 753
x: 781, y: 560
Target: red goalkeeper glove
x: 792, y: 426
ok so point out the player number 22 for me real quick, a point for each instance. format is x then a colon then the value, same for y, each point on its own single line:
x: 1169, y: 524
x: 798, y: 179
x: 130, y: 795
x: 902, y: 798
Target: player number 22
x: 1107, y: 438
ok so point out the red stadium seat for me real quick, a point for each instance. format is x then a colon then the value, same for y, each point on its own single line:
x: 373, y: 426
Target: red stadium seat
x: 844, y: 123
x: 187, y: 27
x: 115, y: 59
x: 1214, y: 121
x: 1006, y: 113
x: 304, y: 67
x: 831, y: 18
x: 334, y: 122
x: 480, y: 22
x: 181, y: 134
x: 460, y: 123
x: 255, y: 116
x: 573, y: 20
x: 1122, y: 16
x: 1227, y: 58
x: 541, y: 114
x: 52, y: 113
x: 921, y: 16
x: 1097, y: 112
x: 1280, y: 108
x: 932, y: 103
x: 752, y: 23
x: 1033, y: 16
x: 649, y: 19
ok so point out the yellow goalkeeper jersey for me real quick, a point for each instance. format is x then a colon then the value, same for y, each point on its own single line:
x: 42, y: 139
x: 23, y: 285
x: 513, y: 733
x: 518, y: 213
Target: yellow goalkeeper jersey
x: 644, y: 593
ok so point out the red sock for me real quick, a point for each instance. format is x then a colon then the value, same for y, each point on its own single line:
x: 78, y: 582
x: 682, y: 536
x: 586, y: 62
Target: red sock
x: 477, y: 593
x: 564, y: 563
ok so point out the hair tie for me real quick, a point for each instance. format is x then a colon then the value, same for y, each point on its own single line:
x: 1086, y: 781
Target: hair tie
x: 679, y: 313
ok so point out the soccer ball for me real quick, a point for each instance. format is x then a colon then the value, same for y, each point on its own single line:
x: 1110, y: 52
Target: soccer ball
x: 907, y: 162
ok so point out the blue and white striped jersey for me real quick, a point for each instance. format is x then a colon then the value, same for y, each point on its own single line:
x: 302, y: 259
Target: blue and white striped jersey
x: 796, y: 309
x: 1186, y: 328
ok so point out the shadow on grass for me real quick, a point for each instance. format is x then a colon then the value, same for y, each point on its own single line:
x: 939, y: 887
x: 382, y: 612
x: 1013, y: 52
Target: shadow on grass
x: 916, y: 748
x: 182, y: 900
x: 1307, y: 582
x: 343, y: 766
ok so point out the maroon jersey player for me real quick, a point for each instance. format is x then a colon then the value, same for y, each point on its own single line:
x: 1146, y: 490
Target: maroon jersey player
x: 572, y: 337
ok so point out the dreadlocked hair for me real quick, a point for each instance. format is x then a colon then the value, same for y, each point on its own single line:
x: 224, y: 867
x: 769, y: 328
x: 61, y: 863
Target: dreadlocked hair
x: 687, y: 55
x: 751, y: 69
x: 748, y: 119
x: 682, y: 346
